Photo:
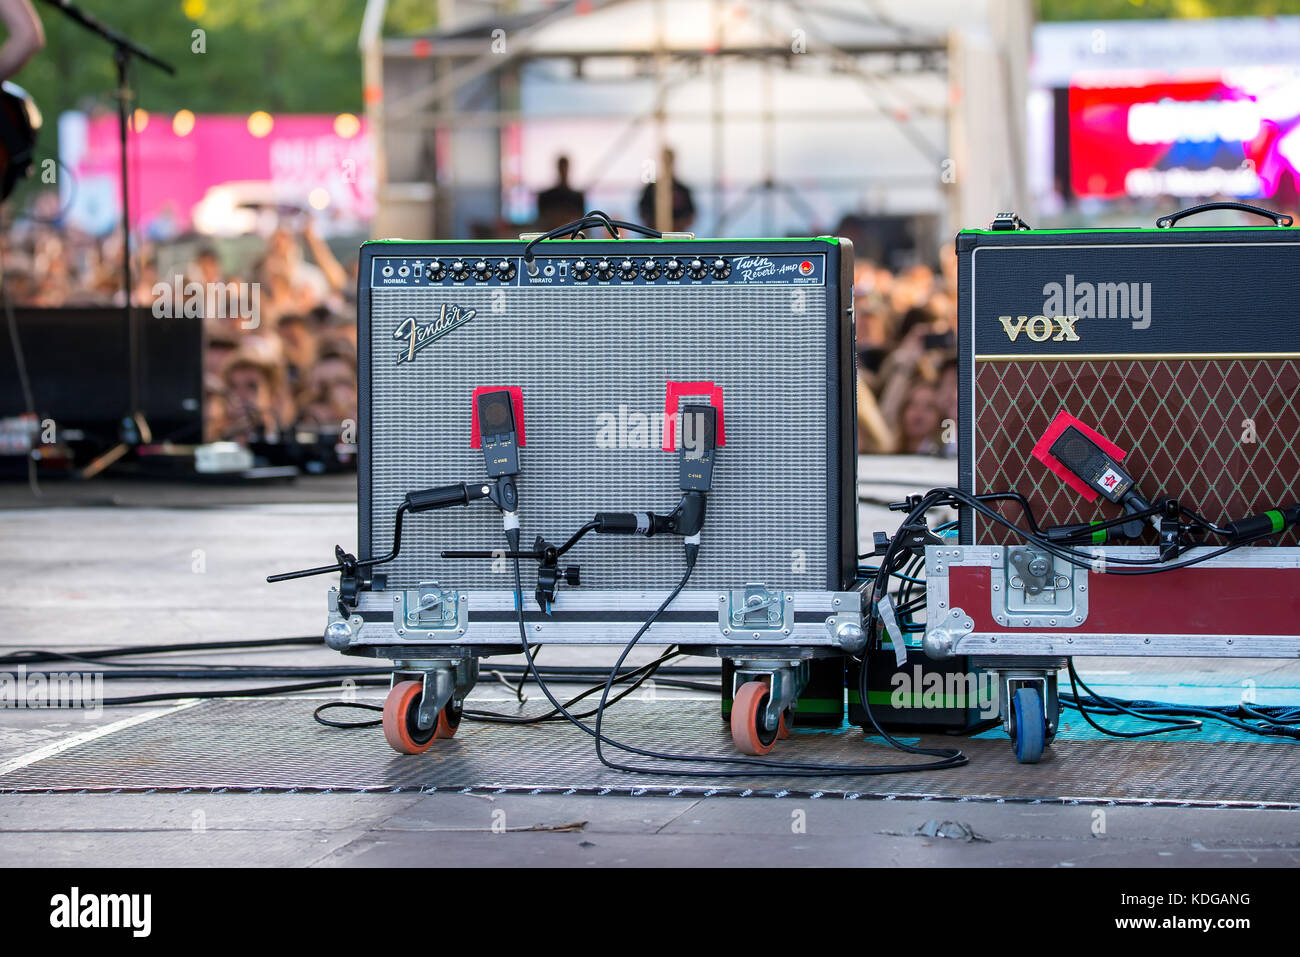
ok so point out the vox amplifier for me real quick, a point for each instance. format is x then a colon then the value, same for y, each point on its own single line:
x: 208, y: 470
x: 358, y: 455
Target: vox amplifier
x: 1135, y: 396
x: 1181, y: 346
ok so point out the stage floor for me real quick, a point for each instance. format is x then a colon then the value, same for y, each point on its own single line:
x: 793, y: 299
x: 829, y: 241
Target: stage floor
x: 264, y: 745
x: 168, y: 566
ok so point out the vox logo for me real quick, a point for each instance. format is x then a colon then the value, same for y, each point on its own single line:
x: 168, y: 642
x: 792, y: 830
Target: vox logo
x: 1041, y: 328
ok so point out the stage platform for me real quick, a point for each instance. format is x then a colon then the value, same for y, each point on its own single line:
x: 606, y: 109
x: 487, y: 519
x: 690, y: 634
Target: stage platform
x: 190, y: 749
x: 256, y: 781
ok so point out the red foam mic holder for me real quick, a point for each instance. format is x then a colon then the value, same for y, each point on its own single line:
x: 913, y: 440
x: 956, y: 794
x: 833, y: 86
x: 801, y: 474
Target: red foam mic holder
x: 1059, y: 424
x: 673, y: 398
x: 516, y: 402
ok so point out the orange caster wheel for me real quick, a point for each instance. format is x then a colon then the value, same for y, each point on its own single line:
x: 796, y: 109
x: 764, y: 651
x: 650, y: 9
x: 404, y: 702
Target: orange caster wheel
x: 746, y: 732
x: 401, y: 715
x: 787, y: 722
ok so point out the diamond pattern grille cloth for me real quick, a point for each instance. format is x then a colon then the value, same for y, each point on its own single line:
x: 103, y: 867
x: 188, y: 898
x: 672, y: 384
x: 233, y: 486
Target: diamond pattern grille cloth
x: 1184, y: 423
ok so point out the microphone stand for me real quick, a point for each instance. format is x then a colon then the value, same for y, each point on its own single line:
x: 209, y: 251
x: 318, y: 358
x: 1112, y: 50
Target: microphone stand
x: 123, y: 50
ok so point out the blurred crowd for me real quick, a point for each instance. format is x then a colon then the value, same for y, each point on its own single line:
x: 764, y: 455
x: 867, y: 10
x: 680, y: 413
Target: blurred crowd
x: 297, y: 367
x: 290, y: 364
x: 287, y: 363
x: 907, y: 359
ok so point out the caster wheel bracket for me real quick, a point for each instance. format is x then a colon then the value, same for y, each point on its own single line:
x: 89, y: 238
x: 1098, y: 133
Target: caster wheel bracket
x: 444, y: 682
x: 785, y: 680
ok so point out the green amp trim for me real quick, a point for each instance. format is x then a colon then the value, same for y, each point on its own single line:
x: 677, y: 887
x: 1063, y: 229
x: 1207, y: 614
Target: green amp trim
x: 1099, y: 230
x: 829, y: 240
x: 886, y: 699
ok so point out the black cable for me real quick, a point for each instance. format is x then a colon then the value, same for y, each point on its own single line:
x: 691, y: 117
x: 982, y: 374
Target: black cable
x: 492, y: 717
x: 952, y: 758
x: 359, y: 705
x: 1147, y: 566
x: 201, y: 694
x: 946, y: 496
x: 1164, y: 713
x: 101, y: 656
x: 40, y: 656
x: 1170, y: 725
x: 228, y: 693
x: 593, y: 218
x: 948, y: 757
x: 554, y: 715
x: 519, y: 688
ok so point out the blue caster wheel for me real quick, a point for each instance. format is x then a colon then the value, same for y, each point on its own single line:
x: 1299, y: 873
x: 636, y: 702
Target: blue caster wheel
x: 1029, y: 726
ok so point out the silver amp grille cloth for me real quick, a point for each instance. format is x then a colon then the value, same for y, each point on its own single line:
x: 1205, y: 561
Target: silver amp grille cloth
x: 579, y: 356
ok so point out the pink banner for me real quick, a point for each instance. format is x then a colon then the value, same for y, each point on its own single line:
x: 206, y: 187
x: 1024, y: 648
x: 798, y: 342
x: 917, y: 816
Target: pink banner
x: 211, y: 172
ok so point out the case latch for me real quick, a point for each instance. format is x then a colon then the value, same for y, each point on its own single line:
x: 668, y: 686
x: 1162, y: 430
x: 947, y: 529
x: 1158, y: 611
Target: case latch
x: 756, y: 609
x: 1033, y: 588
x: 428, y: 607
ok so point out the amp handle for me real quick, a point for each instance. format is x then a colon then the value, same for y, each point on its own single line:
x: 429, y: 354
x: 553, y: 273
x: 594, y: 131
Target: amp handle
x: 1279, y: 219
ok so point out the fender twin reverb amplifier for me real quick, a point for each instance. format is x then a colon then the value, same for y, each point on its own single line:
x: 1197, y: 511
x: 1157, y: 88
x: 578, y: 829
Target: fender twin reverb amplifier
x: 570, y: 373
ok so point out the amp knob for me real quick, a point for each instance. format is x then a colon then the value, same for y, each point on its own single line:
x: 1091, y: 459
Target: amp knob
x: 721, y: 268
x: 505, y: 270
x: 650, y: 269
x: 436, y: 271
x: 581, y: 269
x: 674, y: 269
x: 696, y: 268
x: 604, y: 270
x: 482, y: 271
x: 460, y: 270
x: 627, y: 270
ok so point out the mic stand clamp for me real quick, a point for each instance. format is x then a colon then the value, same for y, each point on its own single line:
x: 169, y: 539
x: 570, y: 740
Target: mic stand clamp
x: 1171, y: 529
x: 548, y: 573
x: 505, y: 494
x: 351, y: 581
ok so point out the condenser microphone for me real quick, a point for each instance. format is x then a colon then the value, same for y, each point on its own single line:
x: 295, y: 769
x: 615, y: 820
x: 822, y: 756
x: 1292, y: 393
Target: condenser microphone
x: 1090, y: 464
x: 695, y: 477
x: 699, y: 446
x: 498, y: 433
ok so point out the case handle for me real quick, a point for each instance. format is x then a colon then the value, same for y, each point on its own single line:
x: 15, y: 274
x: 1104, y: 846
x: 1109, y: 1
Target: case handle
x: 1279, y: 219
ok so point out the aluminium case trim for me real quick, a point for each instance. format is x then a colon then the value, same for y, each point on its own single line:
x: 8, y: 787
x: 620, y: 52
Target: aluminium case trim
x: 605, y: 617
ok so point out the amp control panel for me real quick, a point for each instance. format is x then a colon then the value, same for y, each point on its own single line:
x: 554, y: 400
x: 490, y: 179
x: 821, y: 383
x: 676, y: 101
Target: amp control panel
x: 600, y: 270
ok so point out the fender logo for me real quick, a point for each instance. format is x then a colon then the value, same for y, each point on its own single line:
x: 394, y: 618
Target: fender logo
x: 1041, y: 328
x: 415, y: 335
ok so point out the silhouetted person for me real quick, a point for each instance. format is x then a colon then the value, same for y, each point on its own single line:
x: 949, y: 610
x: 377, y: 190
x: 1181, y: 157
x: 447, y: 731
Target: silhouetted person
x: 561, y: 203
x: 683, y: 202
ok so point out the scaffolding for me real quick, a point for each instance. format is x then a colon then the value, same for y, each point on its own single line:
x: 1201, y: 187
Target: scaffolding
x: 447, y: 108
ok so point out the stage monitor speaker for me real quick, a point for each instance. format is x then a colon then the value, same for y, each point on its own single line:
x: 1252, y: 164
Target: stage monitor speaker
x: 77, y: 360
